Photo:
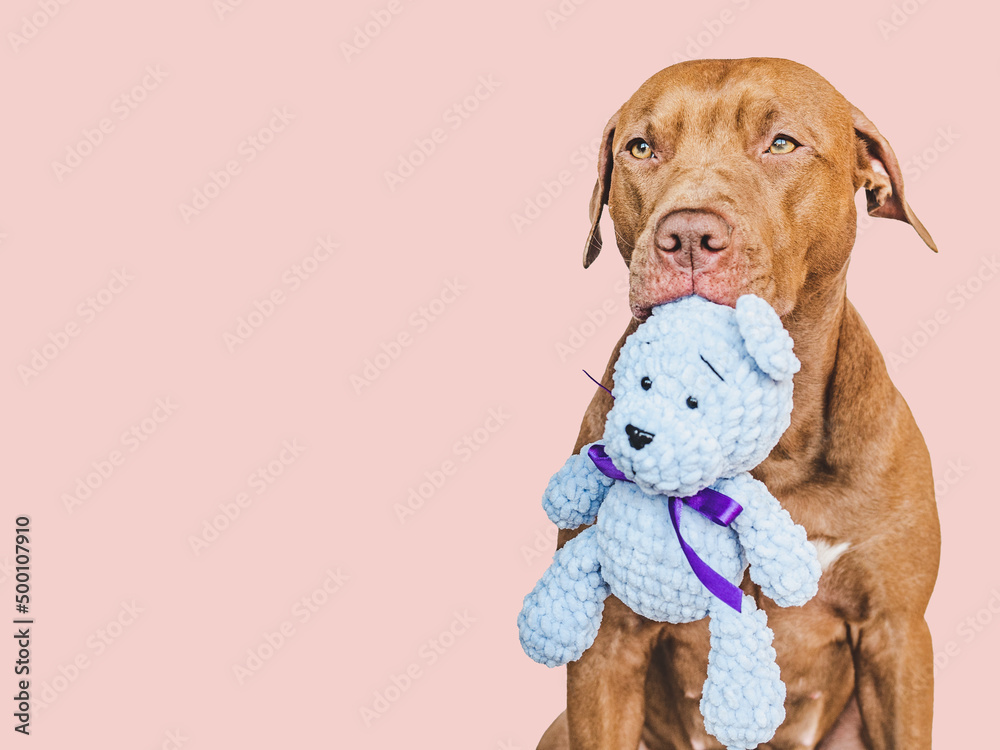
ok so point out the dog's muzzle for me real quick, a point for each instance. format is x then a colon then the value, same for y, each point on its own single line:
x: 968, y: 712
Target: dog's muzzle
x: 637, y: 438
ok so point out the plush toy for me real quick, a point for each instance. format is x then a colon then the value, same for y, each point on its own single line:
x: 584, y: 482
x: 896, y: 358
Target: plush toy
x: 702, y: 394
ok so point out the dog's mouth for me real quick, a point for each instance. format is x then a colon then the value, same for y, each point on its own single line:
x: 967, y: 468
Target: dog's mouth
x: 643, y: 300
x: 642, y: 312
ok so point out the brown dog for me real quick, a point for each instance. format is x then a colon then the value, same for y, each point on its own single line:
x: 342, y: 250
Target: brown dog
x: 731, y: 176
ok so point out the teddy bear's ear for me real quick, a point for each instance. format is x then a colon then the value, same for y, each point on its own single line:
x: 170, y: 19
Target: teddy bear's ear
x: 766, y: 339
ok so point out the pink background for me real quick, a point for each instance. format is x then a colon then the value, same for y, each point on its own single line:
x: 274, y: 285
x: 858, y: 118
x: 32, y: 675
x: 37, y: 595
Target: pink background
x: 430, y: 600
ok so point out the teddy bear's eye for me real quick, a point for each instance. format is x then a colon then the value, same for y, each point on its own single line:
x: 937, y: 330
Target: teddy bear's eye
x: 646, y: 384
x: 692, y: 402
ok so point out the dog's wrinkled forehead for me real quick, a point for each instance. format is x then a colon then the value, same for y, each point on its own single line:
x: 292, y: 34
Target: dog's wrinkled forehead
x: 700, y: 96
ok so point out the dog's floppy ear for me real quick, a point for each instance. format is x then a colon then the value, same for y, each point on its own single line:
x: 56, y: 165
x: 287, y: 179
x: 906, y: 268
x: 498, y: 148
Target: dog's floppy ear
x: 878, y: 172
x: 605, y: 162
x: 766, y: 339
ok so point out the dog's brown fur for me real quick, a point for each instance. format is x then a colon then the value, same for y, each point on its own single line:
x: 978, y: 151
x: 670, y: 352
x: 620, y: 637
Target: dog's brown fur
x: 852, y: 468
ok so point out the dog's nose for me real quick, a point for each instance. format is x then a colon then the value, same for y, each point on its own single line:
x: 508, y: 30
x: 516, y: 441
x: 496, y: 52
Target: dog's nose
x: 693, y: 239
x: 637, y: 438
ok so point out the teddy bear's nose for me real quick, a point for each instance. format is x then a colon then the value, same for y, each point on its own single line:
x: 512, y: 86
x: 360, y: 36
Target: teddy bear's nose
x: 637, y: 438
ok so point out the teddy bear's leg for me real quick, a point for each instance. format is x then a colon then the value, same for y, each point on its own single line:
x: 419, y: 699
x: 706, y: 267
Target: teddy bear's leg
x: 744, y: 698
x: 561, y: 615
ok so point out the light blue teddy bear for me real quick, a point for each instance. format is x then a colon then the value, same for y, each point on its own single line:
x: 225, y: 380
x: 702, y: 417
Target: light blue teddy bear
x: 702, y: 394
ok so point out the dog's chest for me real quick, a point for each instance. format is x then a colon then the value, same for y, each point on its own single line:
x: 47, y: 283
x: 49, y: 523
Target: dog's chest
x: 643, y: 562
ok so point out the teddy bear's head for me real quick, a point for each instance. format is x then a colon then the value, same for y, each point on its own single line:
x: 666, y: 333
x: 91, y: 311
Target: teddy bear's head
x: 702, y: 391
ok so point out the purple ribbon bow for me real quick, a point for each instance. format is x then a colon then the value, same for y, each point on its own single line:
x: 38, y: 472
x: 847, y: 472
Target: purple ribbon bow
x: 715, y: 506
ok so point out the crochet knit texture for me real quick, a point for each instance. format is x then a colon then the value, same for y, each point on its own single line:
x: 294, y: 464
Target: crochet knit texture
x: 703, y: 392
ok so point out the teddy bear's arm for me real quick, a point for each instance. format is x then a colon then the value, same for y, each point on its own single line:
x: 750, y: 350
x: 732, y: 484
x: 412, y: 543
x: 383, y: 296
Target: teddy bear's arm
x: 782, y: 561
x: 575, y: 492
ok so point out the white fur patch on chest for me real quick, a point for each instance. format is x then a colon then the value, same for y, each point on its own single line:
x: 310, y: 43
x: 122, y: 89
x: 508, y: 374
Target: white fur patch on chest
x: 828, y: 553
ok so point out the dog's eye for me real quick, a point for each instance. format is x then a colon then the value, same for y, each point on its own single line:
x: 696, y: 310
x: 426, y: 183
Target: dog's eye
x: 692, y: 402
x: 640, y: 149
x: 646, y: 384
x: 783, y: 145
